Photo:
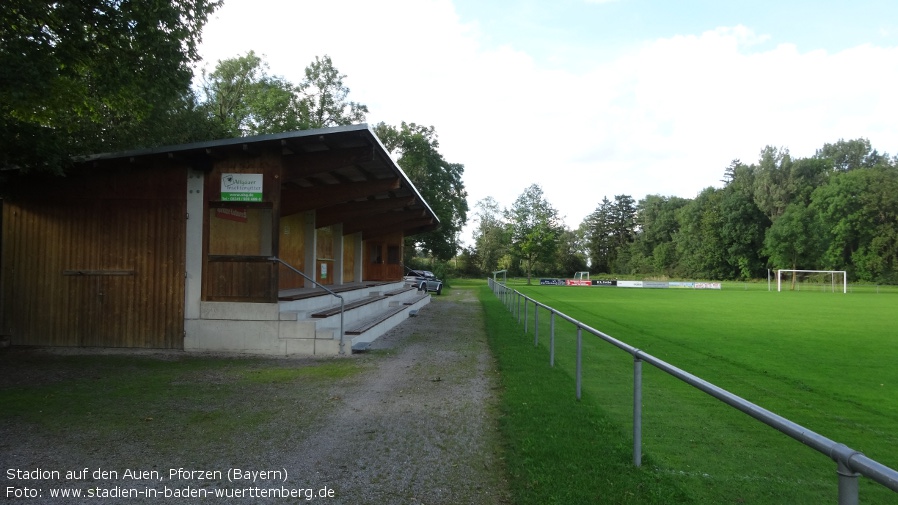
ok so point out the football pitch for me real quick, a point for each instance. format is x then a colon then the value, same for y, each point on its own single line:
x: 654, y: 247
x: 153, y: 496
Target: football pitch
x: 827, y: 361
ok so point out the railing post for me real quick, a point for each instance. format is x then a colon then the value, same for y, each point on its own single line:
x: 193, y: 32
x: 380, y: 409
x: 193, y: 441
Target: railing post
x: 637, y: 410
x: 535, y: 324
x: 525, y: 316
x: 848, y: 485
x: 342, y: 311
x: 552, y: 338
x: 579, y: 359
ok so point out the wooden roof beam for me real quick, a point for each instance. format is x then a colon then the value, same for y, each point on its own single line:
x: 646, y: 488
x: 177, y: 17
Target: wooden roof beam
x: 388, y: 219
x: 353, y: 210
x: 320, y: 162
x: 409, y: 227
x: 294, y: 199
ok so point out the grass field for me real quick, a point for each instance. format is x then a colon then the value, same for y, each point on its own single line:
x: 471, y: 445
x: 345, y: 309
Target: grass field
x: 827, y: 361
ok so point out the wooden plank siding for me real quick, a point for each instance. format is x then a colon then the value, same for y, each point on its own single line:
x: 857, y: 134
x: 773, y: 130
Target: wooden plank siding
x: 105, y: 271
x: 383, y: 258
x: 292, y: 245
x: 349, y: 259
x: 237, y: 266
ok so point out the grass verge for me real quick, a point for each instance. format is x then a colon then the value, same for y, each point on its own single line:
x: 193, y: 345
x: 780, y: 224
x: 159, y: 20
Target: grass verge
x: 557, y: 449
x: 186, y: 409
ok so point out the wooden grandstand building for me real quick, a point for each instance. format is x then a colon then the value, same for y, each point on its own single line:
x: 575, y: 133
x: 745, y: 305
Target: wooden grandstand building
x: 213, y: 246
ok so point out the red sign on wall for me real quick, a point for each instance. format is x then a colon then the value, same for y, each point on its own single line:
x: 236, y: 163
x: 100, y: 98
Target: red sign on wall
x: 238, y: 215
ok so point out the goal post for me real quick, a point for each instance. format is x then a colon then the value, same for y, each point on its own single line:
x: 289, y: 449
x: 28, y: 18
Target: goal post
x: 837, y: 278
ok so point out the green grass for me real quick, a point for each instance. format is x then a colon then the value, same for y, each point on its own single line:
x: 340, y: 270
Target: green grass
x: 197, y: 402
x: 556, y: 450
x: 824, y: 360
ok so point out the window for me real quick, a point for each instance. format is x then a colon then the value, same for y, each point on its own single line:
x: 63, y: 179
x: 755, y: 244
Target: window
x: 374, y: 253
x: 393, y: 255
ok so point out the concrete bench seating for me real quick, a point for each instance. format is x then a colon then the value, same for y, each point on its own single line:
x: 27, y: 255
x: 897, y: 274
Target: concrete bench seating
x: 335, y: 310
x: 370, y: 323
x: 400, y: 291
x: 305, y: 293
x: 307, y: 321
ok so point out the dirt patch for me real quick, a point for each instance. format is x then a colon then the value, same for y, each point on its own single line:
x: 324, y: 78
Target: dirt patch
x: 417, y: 424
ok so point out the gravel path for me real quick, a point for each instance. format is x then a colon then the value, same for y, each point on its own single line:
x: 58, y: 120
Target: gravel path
x: 416, y: 426
x: 420, y: 427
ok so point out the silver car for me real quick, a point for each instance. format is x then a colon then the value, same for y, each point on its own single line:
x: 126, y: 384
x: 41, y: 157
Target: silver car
x: 424, y: 281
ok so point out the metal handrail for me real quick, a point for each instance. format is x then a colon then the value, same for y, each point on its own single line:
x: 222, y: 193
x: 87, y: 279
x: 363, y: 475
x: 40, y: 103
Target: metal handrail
x: 342, y: 301
x: 850, y: 463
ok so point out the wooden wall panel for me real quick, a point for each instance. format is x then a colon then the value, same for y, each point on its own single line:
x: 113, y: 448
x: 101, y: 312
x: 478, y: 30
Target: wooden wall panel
x: 234, y: 275
x: 349, y: 258
x: 379, y: 265
x: 96, y: 272
x: 292, y: 250
x: 235, y: 281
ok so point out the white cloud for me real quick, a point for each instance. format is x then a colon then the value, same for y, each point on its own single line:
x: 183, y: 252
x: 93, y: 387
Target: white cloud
x: 666, y: 117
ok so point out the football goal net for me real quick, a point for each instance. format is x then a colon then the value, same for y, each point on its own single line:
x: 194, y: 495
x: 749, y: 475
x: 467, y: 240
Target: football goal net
x: 812, y: 280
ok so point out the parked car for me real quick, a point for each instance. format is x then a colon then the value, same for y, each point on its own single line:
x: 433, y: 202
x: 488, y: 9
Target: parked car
x: 424, y: 281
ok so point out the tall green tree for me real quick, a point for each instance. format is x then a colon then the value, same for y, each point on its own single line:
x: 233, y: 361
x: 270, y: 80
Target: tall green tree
x: 491, y: 235
x: 73, y: 73
x: 772, y: 187
x: 656, y: 220
x: 570, y: 256
x: 795, y: 239
x: 597, y: 230
x: 535, y: 228
x: 323, y: 97
x: 699, y: 244
x: 243, y: 99
x: 846, y: 155
x: 438, y: 181
x: 743, y: 223
x: 859, y: 213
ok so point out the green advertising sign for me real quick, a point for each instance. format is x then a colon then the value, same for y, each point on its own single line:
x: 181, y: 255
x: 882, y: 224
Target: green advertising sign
x: 241, y: 187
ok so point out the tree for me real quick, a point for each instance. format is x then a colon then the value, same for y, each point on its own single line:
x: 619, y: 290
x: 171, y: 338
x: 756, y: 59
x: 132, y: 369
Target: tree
x: 609, y: 231
x: 323, y: 97
x: 569, y: 255
x: 73, y: 73
x: 699, y: 243
x: 535, y: 227
x: 623, y: 229
x: 772, y: 189
x: 656, y: 220
x: 848, y: 155
x: 597, y: 232
x: 859, y: 212
x: 242, y: 99
x: 438, y: 181
x: 491, y: 237
x: 795, y: 240
x: 743, y: 223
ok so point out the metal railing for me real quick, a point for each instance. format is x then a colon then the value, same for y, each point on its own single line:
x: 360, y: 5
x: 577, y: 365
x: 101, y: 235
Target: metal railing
x: 342, y: 301
x: 850, y: 464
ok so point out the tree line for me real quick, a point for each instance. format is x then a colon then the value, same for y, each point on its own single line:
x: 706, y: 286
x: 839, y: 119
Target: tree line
x: 80, y: 78
x: 836, y: 210
x: 94, y: 76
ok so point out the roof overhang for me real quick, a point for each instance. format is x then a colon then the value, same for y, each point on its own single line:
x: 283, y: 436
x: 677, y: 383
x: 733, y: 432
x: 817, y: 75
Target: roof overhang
x: 343, y: 173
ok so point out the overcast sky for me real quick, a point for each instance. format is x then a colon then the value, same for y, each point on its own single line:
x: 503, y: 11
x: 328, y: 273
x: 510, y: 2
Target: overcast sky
x: 593, y: 98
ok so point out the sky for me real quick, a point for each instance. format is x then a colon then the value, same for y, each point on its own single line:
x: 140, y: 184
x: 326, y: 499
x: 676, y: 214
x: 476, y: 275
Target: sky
x: 593, y: 98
